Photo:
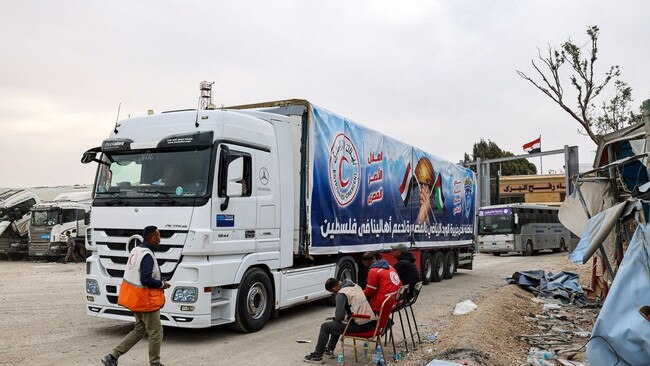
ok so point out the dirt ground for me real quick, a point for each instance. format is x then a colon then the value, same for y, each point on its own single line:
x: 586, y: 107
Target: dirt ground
x: 43, y: 321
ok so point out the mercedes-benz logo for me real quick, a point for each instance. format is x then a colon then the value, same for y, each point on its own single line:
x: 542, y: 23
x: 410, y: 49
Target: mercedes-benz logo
x: 264, y: 176
x: 133, y: 242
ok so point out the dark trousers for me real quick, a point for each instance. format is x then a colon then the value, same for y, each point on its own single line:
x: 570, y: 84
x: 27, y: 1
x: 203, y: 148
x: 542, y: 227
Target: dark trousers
x: 330, y: 332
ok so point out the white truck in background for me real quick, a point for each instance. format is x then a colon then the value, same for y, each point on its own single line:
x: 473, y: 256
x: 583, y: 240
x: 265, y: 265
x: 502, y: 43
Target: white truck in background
x: 257, y: 205
x: 15, y: 216
x: 50, y: 221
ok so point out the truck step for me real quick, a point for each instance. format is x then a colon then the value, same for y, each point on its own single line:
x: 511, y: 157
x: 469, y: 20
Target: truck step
x: 220, y: 302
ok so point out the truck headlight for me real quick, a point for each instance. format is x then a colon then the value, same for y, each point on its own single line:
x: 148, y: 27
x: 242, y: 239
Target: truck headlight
x: 185, y: 294
x: 92, y: 287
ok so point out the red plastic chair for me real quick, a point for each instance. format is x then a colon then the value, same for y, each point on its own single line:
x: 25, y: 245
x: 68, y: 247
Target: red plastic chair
x: 372, y: 336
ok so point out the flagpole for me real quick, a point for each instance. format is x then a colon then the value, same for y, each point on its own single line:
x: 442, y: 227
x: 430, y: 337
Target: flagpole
x: 541, y: 167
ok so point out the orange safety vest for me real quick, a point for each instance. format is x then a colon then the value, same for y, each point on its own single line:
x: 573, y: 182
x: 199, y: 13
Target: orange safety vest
x: 135, y: 296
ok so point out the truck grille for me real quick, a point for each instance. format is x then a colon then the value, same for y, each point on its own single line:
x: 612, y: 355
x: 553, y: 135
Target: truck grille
x: 113, y: 253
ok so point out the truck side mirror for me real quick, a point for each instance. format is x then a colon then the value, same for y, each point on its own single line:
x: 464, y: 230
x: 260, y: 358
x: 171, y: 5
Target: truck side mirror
x: 88, y: 157
x: 516, y: 219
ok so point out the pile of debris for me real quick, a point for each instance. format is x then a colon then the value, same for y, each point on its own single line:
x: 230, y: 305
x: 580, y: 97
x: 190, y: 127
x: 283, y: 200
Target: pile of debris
x: 563, y: 327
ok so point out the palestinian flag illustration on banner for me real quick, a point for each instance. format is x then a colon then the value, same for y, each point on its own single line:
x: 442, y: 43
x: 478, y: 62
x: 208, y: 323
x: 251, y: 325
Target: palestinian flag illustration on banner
x: 439, y: 198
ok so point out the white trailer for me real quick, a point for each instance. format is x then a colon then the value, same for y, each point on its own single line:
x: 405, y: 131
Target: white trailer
x: 15, y: 208
x: 50, y: 221
x: 233, y: 192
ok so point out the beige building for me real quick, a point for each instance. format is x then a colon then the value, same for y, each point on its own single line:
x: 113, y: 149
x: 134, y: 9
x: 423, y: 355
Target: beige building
x: 547, y: 189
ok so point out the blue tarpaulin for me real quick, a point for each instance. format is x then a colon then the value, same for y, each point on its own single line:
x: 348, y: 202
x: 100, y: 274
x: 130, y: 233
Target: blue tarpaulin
x: 561, y: 285
x: 621, y: 333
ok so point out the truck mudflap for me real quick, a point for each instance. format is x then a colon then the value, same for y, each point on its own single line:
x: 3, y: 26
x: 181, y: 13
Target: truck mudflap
x: 466, y: 260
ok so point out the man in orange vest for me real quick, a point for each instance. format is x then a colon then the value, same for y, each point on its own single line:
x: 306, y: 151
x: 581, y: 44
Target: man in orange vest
x: 142, y: 293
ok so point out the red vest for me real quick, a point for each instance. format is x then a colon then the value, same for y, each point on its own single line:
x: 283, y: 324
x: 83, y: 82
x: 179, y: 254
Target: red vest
x: 380, y: 284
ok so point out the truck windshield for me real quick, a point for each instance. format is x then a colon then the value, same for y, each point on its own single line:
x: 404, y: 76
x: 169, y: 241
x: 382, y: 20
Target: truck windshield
x: 498, y: 224
x: 45, y: 218
x: 154, y: 174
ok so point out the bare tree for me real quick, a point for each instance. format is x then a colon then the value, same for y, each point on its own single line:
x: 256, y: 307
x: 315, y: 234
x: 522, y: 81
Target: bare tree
x: 581, y: 77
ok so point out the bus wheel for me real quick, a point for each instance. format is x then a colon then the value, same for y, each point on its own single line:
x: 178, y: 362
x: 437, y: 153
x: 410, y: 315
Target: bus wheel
x: 438, y: 267
x: 254, y: 302
x: 529, y: 248
x: 562, y: 245
x: 426, y: 268
x: 450, y: 265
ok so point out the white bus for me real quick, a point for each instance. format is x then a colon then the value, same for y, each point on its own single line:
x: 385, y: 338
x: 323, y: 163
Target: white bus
x: 524, y: 228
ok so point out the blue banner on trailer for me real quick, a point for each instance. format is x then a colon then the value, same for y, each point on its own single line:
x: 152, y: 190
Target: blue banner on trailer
x: 369, y: 190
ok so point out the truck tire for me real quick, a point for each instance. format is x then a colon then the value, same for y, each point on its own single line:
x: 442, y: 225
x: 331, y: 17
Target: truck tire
x: 438, y: 267
x: 496, y: 254
x: 426, y: 267
x: 528, y: 251
x: 15, y: 256
x: 345, y: 270
x: 255, y: 302
x: 450, y: 265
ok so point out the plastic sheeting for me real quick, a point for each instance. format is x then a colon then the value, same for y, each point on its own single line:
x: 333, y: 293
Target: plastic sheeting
x: 620, y: 331
x: 596, y: 231
x: 546, y: 285
x: 597, y: 198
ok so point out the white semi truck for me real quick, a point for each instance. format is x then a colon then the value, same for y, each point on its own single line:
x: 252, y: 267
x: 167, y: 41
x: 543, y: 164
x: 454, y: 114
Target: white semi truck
x: 68, y: 211
x: 259, y: 204
x: 15, y: 208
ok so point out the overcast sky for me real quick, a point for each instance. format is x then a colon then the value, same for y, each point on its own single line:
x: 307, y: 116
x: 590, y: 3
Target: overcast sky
x: 436, y: 74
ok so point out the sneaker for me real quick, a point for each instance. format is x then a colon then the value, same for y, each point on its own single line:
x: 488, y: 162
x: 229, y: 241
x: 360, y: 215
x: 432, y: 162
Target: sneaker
x: 109, y: 360
x: 314, y: 358
x: 329, y: 353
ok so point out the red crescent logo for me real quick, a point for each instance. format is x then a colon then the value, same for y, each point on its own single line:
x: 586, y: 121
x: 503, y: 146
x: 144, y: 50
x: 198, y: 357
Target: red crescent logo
x: 344, y: 183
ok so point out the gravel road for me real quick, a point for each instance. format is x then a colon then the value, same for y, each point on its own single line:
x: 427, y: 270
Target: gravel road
x: 43, y: 319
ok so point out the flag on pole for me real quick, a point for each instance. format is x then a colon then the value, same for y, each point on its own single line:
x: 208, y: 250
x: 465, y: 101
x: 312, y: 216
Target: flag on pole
x: 534, y: 146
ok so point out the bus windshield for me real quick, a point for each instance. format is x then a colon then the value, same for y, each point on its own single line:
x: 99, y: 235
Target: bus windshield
x: 495, y: 224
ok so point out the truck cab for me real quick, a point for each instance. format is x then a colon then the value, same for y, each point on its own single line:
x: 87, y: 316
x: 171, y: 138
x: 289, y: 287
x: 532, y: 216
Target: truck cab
x: 51, y: 220
x: 15, y: 206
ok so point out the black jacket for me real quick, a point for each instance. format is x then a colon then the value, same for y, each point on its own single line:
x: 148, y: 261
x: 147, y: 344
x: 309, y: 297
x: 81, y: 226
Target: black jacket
x: 407, y: 271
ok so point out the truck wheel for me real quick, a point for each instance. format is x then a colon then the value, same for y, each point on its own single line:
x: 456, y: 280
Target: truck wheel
x: 529, y: 249
x: 426, y: 268
x: 15, y: 256
x: 496, y: 254
x: 255, y: 302
x: 438, y: 267
x: 450, y: 265
x: 345, y: 270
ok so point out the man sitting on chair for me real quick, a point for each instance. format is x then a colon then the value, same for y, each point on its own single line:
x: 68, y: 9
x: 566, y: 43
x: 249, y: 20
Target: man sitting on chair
x: 350, y: 299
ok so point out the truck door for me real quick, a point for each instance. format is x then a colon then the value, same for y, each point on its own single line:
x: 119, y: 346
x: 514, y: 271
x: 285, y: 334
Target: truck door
x: 234, y: 207
x: 265, y: 187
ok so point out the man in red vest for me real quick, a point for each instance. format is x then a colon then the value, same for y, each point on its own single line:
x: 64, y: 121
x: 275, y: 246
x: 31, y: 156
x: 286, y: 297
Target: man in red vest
x: 142, y: 293
x: 382, y: 281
